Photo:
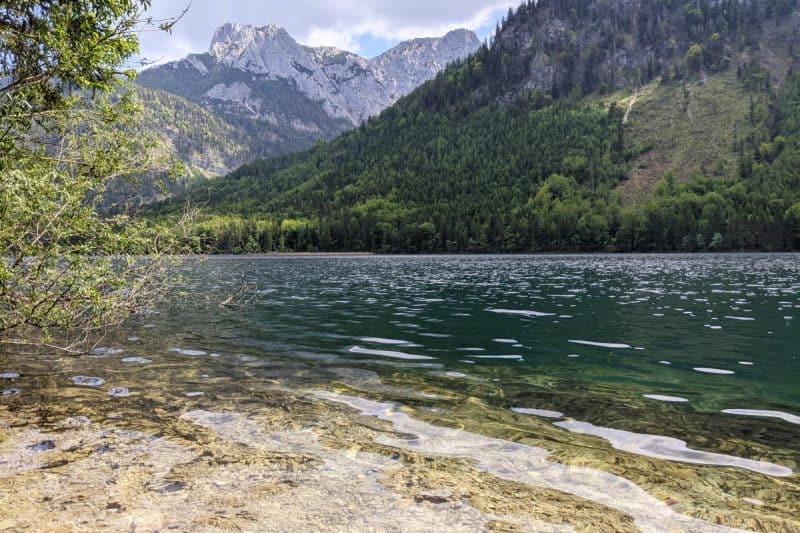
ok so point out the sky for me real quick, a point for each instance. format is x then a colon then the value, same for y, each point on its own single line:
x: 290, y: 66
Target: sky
x: 366, y: 27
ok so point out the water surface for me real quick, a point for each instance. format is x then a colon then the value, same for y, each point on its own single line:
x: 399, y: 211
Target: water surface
x: 663, y: 390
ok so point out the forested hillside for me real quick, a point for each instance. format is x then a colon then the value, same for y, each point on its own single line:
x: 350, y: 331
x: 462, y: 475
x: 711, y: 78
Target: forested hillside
x: 533, y: 143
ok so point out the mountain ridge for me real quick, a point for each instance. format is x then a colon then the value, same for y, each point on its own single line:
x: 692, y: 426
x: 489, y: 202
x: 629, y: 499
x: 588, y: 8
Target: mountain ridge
x: 287, y: 94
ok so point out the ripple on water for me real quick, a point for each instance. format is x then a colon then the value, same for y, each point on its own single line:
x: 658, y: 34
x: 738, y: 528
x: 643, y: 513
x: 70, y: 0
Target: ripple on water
x: 190, y: 353
x: 718, y: 371
x: 670, y: 449
x: 524, y: 464
x: 544, y: 413
x: 792, y: 419
x: 665, y: 398
x: 389, y: 353
x: 137, y: 360
x: 104, y: 350
x: 381, y: 340
x: 87, y: 381
x: 520, y: 312
x: 612, y: 345
x: 508, y: 357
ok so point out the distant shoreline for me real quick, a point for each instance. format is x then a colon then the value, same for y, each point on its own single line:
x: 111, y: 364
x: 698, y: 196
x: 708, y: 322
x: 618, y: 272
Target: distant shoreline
x: 279, y: 255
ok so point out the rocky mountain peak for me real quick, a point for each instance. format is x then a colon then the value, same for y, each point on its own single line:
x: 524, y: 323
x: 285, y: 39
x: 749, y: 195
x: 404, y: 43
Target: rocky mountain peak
x: 262, y: 74
x: 248, y: 47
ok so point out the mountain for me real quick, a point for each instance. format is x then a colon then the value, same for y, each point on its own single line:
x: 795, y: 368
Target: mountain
x: 619, y: 125
x: 286, y: 96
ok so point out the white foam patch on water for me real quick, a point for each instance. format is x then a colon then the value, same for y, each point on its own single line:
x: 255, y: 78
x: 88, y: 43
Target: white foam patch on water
x: 612, y: 345
x: 544, y: 413
x: 718, y: 371
x: 509, y: 357
x: 792, y: 419
x: 746, y: 363
x: 381, y: 340
x: 455, y: 374
x: 664, y: 363
x: 389, y: 353
x: 665, y: 398
x: 741, y: 318
x: 520, y: 312
x: 670, y: 449
x: 190, y: 353
x: 525, y: 464
x: 506, y: 341
x: 9, y: 375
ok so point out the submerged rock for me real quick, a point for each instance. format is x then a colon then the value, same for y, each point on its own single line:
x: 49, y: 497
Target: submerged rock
x: 87, y: 381
x: 43, y: 446
x: 119, y: 392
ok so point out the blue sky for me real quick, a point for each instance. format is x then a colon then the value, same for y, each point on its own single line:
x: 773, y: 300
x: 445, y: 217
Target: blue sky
x: 367, y: 27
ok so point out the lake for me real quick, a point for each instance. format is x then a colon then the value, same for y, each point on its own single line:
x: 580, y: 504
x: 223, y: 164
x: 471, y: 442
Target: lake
x: 424, y: 393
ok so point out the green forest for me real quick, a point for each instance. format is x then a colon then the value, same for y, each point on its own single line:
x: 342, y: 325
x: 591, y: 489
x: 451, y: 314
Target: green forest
x: 476, y: 161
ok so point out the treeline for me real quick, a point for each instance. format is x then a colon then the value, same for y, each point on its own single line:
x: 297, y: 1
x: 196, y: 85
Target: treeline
x: 510, y: 179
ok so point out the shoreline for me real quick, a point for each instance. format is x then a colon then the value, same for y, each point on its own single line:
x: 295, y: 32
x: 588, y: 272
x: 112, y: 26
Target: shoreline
x: 279, y: 255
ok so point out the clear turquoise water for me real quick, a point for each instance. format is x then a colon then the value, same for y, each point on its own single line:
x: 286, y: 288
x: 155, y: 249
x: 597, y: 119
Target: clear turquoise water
x: 529, y: 350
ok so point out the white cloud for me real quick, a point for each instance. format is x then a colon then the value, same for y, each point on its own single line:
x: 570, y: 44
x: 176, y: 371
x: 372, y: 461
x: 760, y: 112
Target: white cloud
x: 340, y: 23
x: 331, y: 37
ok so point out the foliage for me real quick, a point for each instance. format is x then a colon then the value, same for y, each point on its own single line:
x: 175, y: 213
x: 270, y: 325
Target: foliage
x: 66, y: 273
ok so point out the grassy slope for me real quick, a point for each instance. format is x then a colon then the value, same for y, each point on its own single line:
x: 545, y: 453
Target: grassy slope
x: 686, y: 130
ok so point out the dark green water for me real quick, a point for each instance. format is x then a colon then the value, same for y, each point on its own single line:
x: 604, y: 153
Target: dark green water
x: 714, y: 312
x: 681, y: 360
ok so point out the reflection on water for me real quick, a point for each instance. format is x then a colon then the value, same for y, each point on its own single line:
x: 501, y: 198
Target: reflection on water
x: 460, y: 393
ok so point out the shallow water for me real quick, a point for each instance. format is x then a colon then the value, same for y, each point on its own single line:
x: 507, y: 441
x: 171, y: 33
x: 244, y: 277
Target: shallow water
x: 540, y: 393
